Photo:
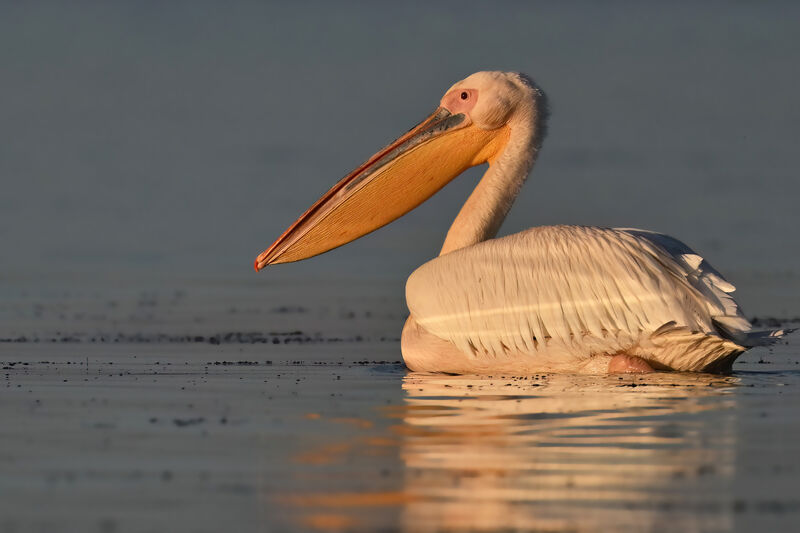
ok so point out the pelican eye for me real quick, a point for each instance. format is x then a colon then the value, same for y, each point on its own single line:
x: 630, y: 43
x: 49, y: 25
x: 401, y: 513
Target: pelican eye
x: 464, y: 95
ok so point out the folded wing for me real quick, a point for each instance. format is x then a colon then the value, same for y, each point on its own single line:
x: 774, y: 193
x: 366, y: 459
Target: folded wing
x: 584, y: 289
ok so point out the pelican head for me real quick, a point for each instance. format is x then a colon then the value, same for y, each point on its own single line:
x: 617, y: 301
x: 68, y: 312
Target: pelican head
x: 471, y: 126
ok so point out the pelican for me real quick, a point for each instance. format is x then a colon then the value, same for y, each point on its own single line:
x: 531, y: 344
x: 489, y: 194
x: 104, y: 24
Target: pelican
x: 549, y: 299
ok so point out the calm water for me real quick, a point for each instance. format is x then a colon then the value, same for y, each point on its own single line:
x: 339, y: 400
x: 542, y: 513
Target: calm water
x: 148, y: 152
x: 216, y: 409
x: 322, y: 435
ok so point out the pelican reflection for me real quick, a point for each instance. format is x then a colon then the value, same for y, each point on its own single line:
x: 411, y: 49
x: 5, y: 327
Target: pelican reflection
x: 567, y: 453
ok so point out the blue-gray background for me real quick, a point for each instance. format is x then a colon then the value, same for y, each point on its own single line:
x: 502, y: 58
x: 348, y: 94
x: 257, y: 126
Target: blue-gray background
x: 152, y: 143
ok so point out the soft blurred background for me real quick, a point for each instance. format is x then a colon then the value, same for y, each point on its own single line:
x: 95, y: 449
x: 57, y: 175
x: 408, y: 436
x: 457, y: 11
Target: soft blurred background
x: 150, y: 143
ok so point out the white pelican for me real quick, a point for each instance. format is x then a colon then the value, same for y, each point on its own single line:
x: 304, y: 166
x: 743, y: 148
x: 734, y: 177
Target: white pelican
x: 557, y: 298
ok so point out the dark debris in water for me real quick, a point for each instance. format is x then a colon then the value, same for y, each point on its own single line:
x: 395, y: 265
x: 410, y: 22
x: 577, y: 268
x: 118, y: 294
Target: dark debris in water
x: 773, y: 322
x: 28, y: 365
x: 233, y: 337
x: 290, y: 309
x: 183, y: 422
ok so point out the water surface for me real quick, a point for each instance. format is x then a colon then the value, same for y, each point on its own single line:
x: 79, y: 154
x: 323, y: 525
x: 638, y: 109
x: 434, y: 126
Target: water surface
x: 164, y: 411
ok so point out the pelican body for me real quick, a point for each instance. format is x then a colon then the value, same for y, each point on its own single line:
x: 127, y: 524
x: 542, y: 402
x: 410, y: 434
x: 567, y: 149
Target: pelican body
x: 552, y: 298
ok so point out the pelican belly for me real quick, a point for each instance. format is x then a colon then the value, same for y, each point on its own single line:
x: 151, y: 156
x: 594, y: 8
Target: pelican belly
x: 425, y: 352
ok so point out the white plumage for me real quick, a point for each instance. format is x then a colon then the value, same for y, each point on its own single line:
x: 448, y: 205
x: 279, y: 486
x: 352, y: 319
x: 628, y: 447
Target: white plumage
x: 559, y: 295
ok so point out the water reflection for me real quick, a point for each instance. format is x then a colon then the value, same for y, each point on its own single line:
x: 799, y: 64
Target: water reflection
x: 566, y: 453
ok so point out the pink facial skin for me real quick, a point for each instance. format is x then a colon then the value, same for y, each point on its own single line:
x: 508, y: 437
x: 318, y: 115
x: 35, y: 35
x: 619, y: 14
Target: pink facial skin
x: 460, y: 100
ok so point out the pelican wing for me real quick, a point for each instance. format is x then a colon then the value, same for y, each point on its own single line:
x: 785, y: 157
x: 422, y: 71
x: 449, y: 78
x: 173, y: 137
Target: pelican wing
x: 575, y: 287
